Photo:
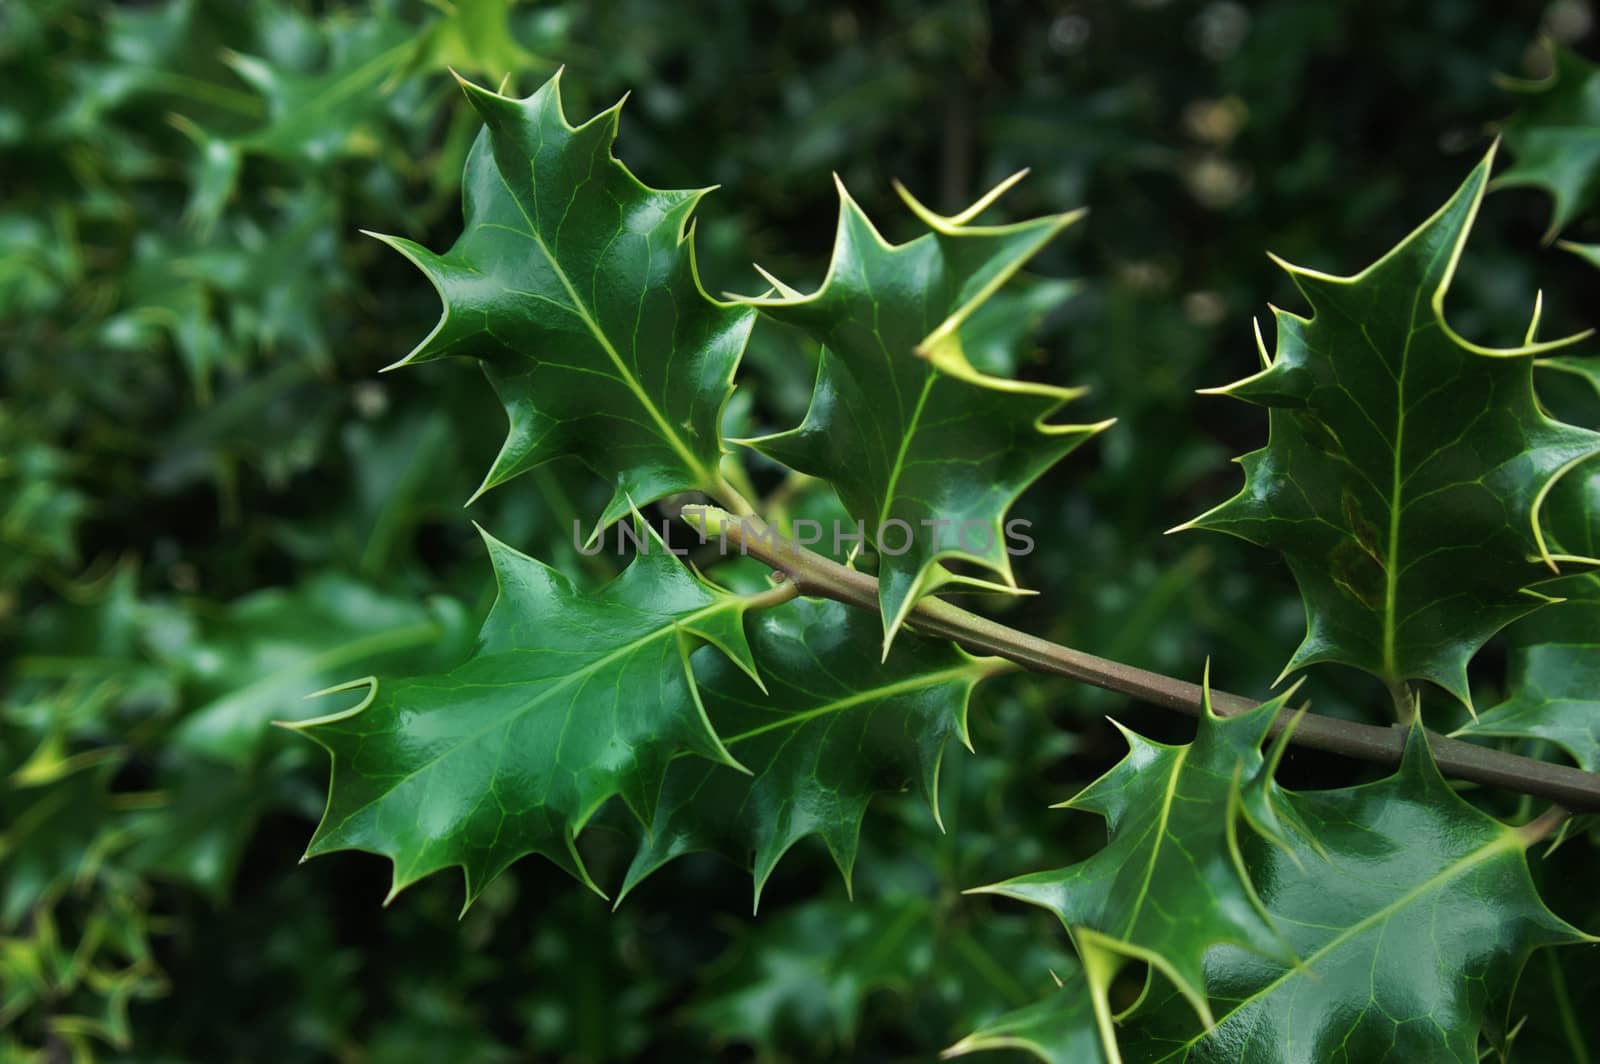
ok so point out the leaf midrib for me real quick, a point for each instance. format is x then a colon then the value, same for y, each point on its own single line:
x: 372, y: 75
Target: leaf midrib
x: 795, y: 720
x: 1505, y: 843
x: 675, y: 625
x: 1391, y: 569
x: 1161, y: 833
x: 905, y: 448
x: 623, y: 372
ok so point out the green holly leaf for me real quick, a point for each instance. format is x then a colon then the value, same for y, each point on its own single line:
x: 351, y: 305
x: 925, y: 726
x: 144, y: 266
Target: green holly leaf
x: 1585, y: 368
x: 60, y: 822
x: 575, y: 285
x: 1554, y: 660
x: 1555, y: 138
x: 168, y: 305
x: 39, y: 508
x: 69, y: 977
x: 1170, y: 885
x: 796, y: 985
x: 257, y: 661
x: 74, y: 929
x: 214, y: 300
x: 45, y: 268
x: 832, y: 728
x: 476, y: 35
x: 1410, y: 915
x: 1548, y: 1016
x: 996, y: 339
x: 317, y: 116
x: 1403, y: 464
x: 143, y: 48
x: 83, y: 677
x: 1554, y: 680
x: 925, y: 450
x: 1068, y: 1027
x: 567, y: 701
x: 222, y: 766
x: 807, y: 974
x: 1411, y: 926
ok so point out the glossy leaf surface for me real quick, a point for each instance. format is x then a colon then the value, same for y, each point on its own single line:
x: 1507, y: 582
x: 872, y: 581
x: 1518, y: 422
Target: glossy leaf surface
x: 1554, y: 673
x: 833, y: 728
x: 1170, y: 884
x: 1411, y: 928
x: 575, y: 286
x: 925, y: 450
x: 1403, y: 464
x: 567, y: 701
x: 1410, y: 915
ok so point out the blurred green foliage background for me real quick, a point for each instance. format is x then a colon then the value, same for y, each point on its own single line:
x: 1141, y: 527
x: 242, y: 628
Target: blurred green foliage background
x: 211, y: 504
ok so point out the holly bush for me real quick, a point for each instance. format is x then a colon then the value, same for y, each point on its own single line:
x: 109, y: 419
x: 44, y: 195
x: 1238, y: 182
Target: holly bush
x: 817, y: 631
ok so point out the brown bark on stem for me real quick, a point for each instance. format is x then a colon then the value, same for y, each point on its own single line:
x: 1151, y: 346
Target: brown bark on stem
x: 812, y: 574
